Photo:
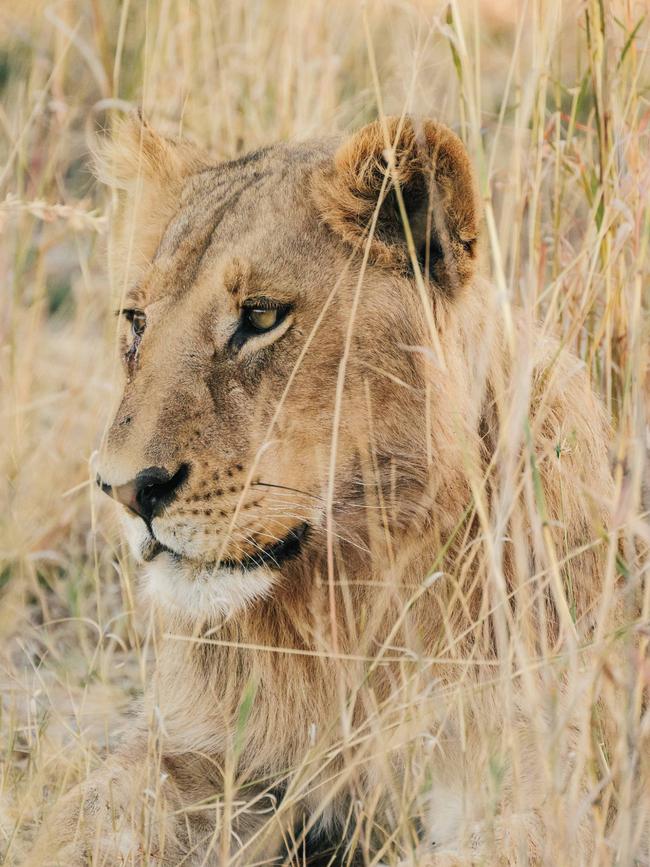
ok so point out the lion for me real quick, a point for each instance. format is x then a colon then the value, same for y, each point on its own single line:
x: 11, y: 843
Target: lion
x: 318, y: 392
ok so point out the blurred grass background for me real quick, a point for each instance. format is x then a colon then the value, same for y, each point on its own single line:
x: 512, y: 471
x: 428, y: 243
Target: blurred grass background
x: 552, y: 100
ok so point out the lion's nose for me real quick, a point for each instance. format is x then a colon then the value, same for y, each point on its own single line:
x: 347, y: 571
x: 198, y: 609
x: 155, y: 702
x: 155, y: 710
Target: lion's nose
x: 149, y: 492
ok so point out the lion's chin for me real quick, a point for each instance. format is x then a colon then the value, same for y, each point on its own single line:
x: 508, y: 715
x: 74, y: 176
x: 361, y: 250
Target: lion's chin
x: 203, y: 592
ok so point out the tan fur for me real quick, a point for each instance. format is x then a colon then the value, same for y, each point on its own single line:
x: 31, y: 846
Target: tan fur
x: 412, y: 491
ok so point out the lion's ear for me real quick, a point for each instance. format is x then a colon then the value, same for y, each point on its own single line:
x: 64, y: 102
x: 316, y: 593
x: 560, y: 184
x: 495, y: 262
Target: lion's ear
x: 148, y: 171
x: 435, y: 177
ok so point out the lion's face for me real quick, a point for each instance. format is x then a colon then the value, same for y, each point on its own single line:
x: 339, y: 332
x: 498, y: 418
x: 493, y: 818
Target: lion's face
x: 267, y: 364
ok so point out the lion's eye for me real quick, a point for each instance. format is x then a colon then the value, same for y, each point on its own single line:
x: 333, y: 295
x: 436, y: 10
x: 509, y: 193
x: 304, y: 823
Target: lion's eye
x: 138, y: 323
x: 262, y: 320
x: 260, y: 316
x: 138, y: 320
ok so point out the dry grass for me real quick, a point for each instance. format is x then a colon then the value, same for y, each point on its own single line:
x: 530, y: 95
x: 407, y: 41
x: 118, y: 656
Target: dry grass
x: 552, y: 101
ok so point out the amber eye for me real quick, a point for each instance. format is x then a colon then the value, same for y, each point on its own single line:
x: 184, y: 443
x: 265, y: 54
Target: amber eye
x: 138, y: 323
x: 259, y: 316
x: 137, y: 318
x: 262, y: 320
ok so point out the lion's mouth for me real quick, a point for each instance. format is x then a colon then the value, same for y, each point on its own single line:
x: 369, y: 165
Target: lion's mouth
x: 153, y: 548
x: 274, y: 555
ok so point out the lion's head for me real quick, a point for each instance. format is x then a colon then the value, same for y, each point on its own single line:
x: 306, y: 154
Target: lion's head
x: 284, y: 365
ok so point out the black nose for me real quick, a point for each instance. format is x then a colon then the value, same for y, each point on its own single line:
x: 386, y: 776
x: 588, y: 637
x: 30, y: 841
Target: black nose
x: 149, y: 492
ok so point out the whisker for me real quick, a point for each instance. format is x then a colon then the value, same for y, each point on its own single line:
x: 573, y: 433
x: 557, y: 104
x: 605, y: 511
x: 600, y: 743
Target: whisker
x: 310, y: 495
x: 347, y: 503
x: 285, y: 488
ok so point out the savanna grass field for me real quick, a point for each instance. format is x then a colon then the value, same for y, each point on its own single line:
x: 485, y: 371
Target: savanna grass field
x: 552, y: 100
